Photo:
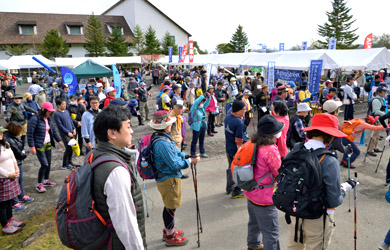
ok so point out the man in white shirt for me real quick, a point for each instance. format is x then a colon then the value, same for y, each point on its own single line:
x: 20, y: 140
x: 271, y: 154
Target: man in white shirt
x: 117, y: 193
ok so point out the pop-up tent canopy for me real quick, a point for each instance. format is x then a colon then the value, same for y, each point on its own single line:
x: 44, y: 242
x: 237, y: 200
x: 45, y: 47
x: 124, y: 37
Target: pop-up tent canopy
x: 6, y: 64
x: 90, y: 69
x: 76, y: 61
x: 300, y: 60
x: 26, y: 61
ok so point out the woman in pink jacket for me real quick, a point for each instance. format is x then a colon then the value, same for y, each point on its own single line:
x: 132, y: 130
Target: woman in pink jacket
x: 263, y: 215
x: 279, y: 110
x: 211, y: 111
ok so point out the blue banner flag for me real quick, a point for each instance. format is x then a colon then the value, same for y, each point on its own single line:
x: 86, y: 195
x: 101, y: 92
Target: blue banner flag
x: 281, y: 46
x: 315, y: 77
x: 209, y: 67
x: 271, y: 75
x: 289, y: 75
x: 170, y: 51
x: 332, y: 43
x: 304, y: 45
x: 70, y: 79
x: 180, y: 52
x: 264, y: 49
x: 117, y: 81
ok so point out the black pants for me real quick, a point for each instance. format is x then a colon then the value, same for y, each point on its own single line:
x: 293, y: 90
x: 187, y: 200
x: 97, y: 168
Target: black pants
x: 67, y: 159
x: 155, y: 80
x: 44, y: 157
x: 79, y: 138
x: 211, y: 123
x: 169, y: 218
x: 5, y: 212
x: 230, y: 186
x: 348, y: 112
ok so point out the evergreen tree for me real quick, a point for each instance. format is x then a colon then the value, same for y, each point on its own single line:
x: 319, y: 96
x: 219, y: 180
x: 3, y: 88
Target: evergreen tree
x: 54, y: 45
x: 167, y: 41
x: 381, y: 41
x: 239, y: 40
x: 224, y: 48
x: 339, y: 27
x: 94, y: 37
x: 116, y: 44
x: 152, y: 45
x: 16, y: 50
x: 198, y: 50
x: 138, y: 40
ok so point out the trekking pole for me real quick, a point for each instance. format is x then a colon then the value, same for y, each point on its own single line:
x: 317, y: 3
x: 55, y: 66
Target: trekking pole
x: 349, y: 148
x: 355, y: 206
x: 198, y: 219
x: 146, y: 201
x: 367, y: 149
x: 384, y: 147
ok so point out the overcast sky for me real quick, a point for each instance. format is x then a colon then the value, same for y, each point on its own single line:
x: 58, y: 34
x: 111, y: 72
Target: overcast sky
x: 210, y: 22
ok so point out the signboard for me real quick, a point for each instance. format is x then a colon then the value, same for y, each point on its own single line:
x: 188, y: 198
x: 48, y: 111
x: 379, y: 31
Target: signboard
x: 315, y: 77
x: 208, y: 68
x: 191, y: 51
x: 368, y: 42
x: 288, y: 75
x: 271, y: 75
x: 180, y: 52
x: 184, y: 54
x: 170, y: 51
x: 117, y: 81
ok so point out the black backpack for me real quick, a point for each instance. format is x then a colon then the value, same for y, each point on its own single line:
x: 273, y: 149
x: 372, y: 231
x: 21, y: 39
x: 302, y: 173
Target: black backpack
x: 367, y: 86
x: 290, y: 141
x: 299, y: 190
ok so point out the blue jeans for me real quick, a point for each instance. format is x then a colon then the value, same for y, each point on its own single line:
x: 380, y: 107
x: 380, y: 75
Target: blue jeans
x: 387, y: 239
x: 195, y: 136
x: 388, y: 172
x: 348, y: 112
x: 355, y: 149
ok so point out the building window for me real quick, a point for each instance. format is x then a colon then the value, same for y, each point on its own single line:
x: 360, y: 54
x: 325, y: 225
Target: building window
x: 74, y: 28
x: 111, y: 26
x: 173, y: 39
x: 27, y: 29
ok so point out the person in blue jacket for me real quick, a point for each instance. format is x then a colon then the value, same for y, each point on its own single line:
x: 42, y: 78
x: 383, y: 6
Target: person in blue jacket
x: 199, y: 125
x: 386, y: 243
x: 28, y: 97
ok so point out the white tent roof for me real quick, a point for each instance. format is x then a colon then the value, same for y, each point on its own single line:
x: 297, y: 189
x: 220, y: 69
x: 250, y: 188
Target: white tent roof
x: 26, y: 61
x: 6, y: 64
x: 73, y: 62
x: 300, y: 60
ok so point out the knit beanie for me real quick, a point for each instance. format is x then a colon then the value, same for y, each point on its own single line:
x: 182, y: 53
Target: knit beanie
x: 238, y: 105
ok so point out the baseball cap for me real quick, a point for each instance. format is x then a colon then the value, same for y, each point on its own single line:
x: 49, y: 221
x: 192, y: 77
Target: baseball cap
x: 330, y: 106
x: 110, y: 89
x: 99, y: 84
x: 302, y: 107
x: 48, y: 106
x: 118, y: 102
x: 179, y: 103
x: 381, y: 89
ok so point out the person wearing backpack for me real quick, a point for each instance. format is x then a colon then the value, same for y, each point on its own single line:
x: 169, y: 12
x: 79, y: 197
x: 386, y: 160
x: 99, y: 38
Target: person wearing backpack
x: 164, y: 99
x: 199, y: 125
x: 263, y: 215
x: 118, y: 196
x: 169, y: 161
x: 87, y: 121
x: 386, y: 243
x: 295, y: 133
x: 317, y: 227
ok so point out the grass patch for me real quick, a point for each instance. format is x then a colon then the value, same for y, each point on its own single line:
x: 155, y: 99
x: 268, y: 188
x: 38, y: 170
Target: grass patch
x: 49, y: 240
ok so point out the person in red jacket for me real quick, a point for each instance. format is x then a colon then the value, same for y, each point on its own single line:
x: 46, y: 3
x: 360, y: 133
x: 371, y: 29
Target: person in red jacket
x: 110, y: 96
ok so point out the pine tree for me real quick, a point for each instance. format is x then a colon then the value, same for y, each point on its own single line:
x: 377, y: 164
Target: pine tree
x: 116, y: 44
x: 54, y: 45
x: 239, y: 40
x: 167, y: 41
x: 94, y: 37
x: 339, y: 27
x: 138, y: 40
x: 152, y: 45
x: 16, y: 50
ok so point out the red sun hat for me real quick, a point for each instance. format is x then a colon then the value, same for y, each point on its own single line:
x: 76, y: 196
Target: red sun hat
x: 326, y: 123
x: 372, y: 119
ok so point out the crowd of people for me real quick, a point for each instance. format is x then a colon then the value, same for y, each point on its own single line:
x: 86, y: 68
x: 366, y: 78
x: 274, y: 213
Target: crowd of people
x: 100, y: 121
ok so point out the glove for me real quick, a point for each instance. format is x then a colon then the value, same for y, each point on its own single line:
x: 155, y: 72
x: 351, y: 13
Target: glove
x: 348, y: 185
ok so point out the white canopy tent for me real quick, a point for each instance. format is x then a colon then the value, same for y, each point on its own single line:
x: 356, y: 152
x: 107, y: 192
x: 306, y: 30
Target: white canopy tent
x: 300, y: 60
x: 26, y: 61
x: 6, y: 64
x: 73, y: 62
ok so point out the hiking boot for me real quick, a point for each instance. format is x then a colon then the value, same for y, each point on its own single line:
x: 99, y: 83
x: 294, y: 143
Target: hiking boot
x: 40, y: 188
x: 9, y: 229
x: 16, y: 223
x: 204, y: 155
x: 18, y: 207
x: 237, y: 194
x: 210, y: 134
x: 256, y: 248
x: 49, y: 183
x: 384, y: 246
x: 214, y: 132
x: 345, y: 164
x: 26, y: 198
x: 371, y: 154
x: 67, y: 167
x: 176, y: 232
x: 141, y: 124
x: 376, y: 150
x: 175, y: 240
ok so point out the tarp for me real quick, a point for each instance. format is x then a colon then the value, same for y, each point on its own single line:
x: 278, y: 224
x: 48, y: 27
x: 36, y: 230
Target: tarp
x: 73, y: 62
x: 26, y: 61
x: 6, y: 64
x: 90, y: 69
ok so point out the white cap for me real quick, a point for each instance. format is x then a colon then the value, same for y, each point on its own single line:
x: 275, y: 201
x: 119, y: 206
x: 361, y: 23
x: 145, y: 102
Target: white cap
x: 99, y: 84
x: 302, y: 107
x: 179, y: 103
x: 330, y: 106
x: 110, y: 89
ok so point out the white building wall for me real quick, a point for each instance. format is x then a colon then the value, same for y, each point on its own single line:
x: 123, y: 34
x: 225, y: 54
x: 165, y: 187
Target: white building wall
x: 77, y: 50
x: 3, y: 55
x: 125, y: 9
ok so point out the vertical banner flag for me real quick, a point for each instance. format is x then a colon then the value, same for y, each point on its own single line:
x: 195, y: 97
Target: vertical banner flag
x: 315, y: 77
x: 281, y: 46
x: 117, y: 81
x: 332, y: 43
x: 304, y: 45
x: 191, y: 51
x: 246, y: 48
x: 208, y: 68
x: 184, y: 54
x: 264, y: 49
x: 368, y: 42
x: 271, y: 75
x: 70, y: 79
x: 180, y: 52
x: 170, y: 51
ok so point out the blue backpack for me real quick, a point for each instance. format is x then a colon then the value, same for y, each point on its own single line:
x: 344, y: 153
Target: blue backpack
x: 191, y: 116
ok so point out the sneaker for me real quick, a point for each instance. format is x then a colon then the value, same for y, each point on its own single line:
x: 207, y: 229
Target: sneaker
x: 49, y: 183
x: 376, y: 150
x: 184, y: 176
x: 237, y: 194
x: 345, y: 164
x: 175, y: 240
x: 384, y: 246
x: 176, y: 232
x: 26, y: 198
x: 16, y: 223
x: 18, y: 207
x: 141, y: 124
x: 40, y: 188
x: 256, y: 248
x: 371, y: 154
x: 68, y: 167
x: 210, y: 134
x: 9, y: 229
x: 214, y: 132
x: 204, y: 155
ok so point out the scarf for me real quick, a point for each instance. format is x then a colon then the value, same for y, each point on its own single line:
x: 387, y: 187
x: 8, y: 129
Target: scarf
x: 179, y: 120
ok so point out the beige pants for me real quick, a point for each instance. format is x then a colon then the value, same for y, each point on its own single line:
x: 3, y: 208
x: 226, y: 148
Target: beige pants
x: 373, y: 143
x: 144, y: 110
x: 313, y: 233
x: 221, y: 116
